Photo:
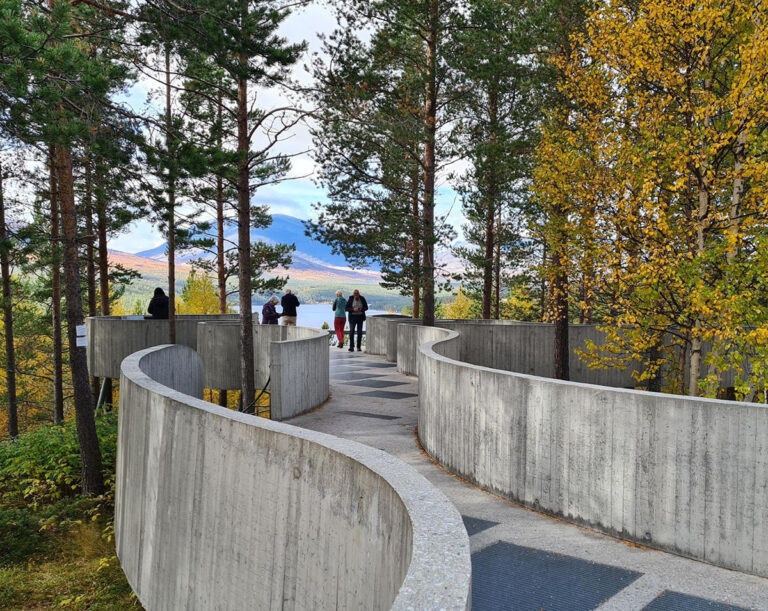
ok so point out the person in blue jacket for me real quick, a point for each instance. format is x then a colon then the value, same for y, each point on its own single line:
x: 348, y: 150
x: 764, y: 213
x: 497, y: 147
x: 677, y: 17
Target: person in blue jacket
x: 356, y: 307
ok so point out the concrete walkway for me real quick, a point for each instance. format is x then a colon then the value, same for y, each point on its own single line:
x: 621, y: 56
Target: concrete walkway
x: 522, y: 559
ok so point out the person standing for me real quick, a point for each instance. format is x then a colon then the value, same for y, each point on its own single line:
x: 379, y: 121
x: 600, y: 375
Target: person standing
x: 356, y: 307
x: 289, y: 302
x: 269, y: 314
x: 158, y: 305
x: 339, y: 308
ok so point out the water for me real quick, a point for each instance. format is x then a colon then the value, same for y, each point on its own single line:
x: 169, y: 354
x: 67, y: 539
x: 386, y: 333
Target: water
x: 315, y: 314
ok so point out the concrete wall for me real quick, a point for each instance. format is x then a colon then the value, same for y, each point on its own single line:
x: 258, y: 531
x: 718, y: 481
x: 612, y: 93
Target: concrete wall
x: 218, y: 345
x: 295, y: 361
x: 381, y: 334
x: 300, y: 368
x: 682, y: 474
x: 112, y: 338
x: 219, y: 510
x: 409, y: 338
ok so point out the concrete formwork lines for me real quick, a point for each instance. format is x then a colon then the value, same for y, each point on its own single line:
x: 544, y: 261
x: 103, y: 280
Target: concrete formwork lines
x: 592, y: 559
x: 662, y: 470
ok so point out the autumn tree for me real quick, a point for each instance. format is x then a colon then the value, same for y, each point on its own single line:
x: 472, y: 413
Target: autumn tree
x: 676, y: 120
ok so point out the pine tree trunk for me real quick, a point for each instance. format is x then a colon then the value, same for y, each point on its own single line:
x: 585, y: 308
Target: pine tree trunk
x: 490, y: 209
x: 90, y: 257
x: 92, y: 477
x: 497, y: 268
x: 10, y: 351
x: 244, y: 240
x: 171, y: 212
x: 58, y: 347
x: 221, y: 272
x: 101, y: 222
x: 428, y: 209
x: 416, y: 239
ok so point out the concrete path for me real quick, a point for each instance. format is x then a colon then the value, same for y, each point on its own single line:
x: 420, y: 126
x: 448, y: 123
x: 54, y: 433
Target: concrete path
x: 522, y: 559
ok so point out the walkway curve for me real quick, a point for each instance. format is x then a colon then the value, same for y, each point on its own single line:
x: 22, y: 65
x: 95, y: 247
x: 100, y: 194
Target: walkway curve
x: 219, y: 510
x: 522, y: 559
x: 683, y: 474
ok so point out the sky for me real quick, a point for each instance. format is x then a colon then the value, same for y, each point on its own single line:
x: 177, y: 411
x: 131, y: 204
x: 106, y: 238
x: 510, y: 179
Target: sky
x: 293, y: 197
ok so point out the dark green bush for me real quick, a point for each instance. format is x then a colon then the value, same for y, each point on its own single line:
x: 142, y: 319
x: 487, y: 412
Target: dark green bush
x: 39, y: 484
x: 44, y: 466
x: 20, y: 536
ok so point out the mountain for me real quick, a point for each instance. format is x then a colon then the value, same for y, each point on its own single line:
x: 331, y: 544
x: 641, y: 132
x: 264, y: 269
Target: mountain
x: 310, y: 255
x: 316, y: 271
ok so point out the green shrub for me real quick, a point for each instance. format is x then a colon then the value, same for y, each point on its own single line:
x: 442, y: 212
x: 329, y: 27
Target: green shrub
x: 44, y: 466
x: 20, y: 536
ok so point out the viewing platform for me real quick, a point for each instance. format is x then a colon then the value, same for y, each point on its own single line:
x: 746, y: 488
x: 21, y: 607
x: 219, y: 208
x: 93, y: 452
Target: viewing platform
x: 342, y: 507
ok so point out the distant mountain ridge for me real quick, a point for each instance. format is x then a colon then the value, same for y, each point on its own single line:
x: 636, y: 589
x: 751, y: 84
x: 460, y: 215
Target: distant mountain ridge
x: 310, y: 255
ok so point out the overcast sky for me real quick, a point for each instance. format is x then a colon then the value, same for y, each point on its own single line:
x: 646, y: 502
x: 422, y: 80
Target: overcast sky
x: 294, y: 197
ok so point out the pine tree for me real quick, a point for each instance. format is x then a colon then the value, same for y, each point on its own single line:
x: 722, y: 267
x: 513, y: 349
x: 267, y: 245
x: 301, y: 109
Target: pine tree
x: 241, y: 39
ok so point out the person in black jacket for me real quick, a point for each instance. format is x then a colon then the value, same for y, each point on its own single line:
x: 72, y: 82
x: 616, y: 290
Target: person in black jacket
x: 158, y: 305
x: 289, y: 302
x: 356, y: 307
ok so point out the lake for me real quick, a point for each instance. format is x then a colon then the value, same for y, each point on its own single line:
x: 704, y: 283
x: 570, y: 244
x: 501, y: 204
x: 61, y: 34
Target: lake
x: 315, y: 314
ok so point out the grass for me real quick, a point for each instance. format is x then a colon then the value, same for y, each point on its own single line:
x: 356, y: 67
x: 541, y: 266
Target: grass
x: 56, y: 547
x: 79, y: 571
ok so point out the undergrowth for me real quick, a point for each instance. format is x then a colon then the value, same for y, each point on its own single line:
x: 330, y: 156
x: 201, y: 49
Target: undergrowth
x: 56, y: 547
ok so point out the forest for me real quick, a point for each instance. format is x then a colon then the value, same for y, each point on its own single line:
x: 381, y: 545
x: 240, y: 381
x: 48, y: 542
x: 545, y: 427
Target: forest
x: 610, y: 160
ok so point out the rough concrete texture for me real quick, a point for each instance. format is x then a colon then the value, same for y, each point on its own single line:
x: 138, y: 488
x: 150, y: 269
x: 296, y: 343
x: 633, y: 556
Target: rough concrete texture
x: 219, y: 510
x: 112, y: 338
x: 299, y: 372
x: 409, y: 338
x: 293, y: 359
x: 682, y: 474
x: 381, y: 333
x: 388, y: 424
x: 218, y: 345
x: 522, y: 347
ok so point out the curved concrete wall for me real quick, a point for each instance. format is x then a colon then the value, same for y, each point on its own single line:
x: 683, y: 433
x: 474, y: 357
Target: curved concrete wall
x: 681, y: 474
x: 219, y: 510
x: 295, y: 360
x: 381, y: 334
x: 501, y: 344
x: 112, y: 338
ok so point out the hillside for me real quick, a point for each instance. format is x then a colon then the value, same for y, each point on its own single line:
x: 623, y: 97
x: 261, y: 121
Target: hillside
x: 316, y: 271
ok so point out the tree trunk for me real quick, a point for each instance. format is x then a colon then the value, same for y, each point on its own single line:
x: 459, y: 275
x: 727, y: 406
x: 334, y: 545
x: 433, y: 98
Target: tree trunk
x: 416, y: 250
x: 101, y: 222
x: 734, y: 218
x: 562, y: 352
x: 559, y: 261
x: 497, y: 267
x: 428, y: 209
x: 90, y: 258
x: 58, y: 348
x: 221, y: 272
x: 244, y: 239
x: 171, y: 212
x: 10, y: 352
x: 543, y: 284
x: 490, y: 209
x: 92, y: 477
x: 694, y: 372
